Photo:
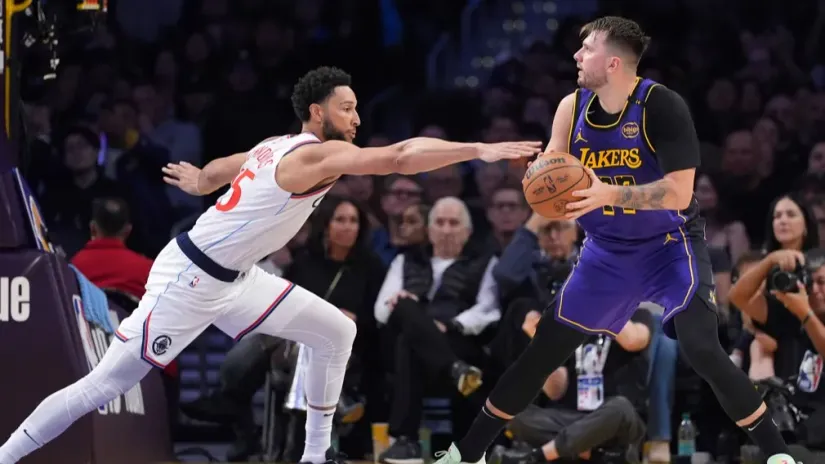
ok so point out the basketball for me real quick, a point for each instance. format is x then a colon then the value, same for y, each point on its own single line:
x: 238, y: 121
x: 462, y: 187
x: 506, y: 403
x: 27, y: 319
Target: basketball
x: 550, y: 182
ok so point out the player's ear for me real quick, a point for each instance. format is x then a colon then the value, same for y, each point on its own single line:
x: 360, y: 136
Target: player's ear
x: 613, y: 64
x: 315, y: 111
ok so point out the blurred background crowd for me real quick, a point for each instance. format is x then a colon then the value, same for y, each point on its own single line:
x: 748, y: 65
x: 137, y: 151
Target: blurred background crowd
x: 189, y: 81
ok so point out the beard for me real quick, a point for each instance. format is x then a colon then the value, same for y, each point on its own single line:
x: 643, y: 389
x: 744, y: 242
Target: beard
x: 592, y: 81
x: 330, y: 132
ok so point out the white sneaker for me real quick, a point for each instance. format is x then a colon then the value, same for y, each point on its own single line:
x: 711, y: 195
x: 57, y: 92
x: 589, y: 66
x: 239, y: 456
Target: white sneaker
x: 781, y: 459
x: 453, y: 456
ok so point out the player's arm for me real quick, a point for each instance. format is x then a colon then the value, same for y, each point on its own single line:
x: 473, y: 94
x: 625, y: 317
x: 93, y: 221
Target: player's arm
x: 316, y: 162
x: 669, y: 131
x: 220, y: 172
x: 213, y: 176
x: 562, y: 124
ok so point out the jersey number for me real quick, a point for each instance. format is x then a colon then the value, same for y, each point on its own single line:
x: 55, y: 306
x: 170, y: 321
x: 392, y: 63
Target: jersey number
x: 235, y: 191
x: 621, y: 181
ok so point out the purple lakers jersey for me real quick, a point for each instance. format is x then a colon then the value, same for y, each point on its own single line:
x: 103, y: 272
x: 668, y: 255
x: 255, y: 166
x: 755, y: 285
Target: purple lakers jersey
x: 621, y: 154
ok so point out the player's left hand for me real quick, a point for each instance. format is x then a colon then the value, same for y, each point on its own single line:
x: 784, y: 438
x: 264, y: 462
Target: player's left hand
x: 183, y: 176
x: 596, y: 196
x: 797, y: 303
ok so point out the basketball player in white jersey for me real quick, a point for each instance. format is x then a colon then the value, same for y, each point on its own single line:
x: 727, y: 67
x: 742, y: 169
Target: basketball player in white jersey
x: 208, y: 275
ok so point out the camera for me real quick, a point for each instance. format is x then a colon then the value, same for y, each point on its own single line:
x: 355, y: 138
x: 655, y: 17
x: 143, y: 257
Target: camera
x: 552, y: 275
x: 787, y: 281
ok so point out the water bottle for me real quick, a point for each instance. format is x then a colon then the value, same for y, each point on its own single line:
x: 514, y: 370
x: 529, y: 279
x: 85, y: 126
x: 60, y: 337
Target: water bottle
x: 687, y: 436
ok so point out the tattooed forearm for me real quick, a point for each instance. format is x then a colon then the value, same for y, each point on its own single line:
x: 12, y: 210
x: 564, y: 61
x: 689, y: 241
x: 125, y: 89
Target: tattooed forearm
x: 655, y: 195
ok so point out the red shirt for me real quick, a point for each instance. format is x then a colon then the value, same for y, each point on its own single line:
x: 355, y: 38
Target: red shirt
x: 109, y: 264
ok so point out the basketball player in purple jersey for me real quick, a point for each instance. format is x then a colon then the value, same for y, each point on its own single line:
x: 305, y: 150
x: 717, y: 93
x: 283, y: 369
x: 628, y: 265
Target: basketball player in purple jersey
x: 645, y: 242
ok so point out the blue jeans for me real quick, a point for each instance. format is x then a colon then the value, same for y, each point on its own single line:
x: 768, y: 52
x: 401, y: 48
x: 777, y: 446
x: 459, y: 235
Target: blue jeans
x: 661, y: 378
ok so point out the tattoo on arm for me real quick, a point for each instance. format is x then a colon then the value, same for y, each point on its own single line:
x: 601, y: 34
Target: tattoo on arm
x: 654, y: 195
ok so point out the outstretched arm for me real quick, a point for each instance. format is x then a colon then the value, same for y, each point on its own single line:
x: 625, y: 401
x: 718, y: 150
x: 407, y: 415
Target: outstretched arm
x: 312, y: 163
x: 213, y: 176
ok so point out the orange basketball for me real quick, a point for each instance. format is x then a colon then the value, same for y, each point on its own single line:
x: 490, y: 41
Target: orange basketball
x: 550, y: 182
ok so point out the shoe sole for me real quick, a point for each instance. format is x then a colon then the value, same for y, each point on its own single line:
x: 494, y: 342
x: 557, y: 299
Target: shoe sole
x: 355, y: 414
x: 469, y: 382
x: 402, y: 461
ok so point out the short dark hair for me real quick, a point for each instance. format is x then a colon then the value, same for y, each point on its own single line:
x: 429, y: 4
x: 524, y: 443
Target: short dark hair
x: 316, y: 87
x: 110, y: 215
x: 620, y: 32
x: 814, y: 259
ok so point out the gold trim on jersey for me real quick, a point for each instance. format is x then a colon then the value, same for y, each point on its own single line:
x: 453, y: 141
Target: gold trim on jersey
x: 573, y: 120
x: 621, y: 115
x: 644, y: 120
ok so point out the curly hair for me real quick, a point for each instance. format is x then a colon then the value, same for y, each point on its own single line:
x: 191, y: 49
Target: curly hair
x: 315, y: 87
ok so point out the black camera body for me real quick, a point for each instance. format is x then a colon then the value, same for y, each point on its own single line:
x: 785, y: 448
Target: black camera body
x: 788, y: 281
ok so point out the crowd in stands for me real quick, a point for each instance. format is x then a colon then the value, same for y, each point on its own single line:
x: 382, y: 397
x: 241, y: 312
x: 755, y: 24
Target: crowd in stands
x: 446, y: 273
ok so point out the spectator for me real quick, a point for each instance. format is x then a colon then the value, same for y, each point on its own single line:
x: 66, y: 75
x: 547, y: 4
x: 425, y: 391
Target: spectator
x: 506, y: 212
x: 434, y: 304
x: 399, y: 193
x: 792, y: 230
x: 67, y: 204
x: 720, y: 231
x: 105, y: 260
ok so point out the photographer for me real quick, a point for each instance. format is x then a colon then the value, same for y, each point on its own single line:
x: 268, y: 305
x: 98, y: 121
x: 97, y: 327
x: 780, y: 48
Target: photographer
x: 791, y: 230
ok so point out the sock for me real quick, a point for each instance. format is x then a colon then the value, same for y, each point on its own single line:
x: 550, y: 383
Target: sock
x: 484, y: 430
x: 20, y: 444
x: 318, y: 435
x: 766, y: 436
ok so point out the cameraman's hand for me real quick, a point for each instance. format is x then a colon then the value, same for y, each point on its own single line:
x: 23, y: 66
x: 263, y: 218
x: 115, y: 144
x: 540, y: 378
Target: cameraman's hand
x: 787, y: 260
x: 797, y: 303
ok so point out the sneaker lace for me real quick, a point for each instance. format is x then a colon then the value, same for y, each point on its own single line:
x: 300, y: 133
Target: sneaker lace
x: 440, y: 454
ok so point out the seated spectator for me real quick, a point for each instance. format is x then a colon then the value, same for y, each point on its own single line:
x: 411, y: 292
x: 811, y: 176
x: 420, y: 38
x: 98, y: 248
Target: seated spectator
x: 506, y: 211
x: 399, y: 193
x: 540, y: 251
x: 799, y: 352
x: 67, y: 203
x: 434, y: 302
x: 105, y: 260
x: 791, y: 230
x: 412, y: 231
x: 604, y: 409
x: 720, y: 230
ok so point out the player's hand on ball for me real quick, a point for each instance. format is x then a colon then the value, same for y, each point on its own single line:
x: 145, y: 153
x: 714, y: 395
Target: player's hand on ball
x: 596, y: 196
x: 183, y: 176
x: 492, y: 152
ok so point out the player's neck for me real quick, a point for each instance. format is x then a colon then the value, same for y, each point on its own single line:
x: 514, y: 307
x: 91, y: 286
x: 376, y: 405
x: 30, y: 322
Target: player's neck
x: 310, y: 129
x: 613, y: 96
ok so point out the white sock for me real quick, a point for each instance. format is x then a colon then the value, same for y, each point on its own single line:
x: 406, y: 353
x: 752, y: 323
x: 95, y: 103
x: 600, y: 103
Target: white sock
x: 318, y: 435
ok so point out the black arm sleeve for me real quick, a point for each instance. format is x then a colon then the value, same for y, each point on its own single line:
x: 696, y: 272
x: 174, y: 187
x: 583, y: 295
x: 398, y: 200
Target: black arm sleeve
x: 670, y: 130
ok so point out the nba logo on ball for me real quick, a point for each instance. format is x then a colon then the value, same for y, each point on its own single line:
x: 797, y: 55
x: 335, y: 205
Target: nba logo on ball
x: 630, y: 130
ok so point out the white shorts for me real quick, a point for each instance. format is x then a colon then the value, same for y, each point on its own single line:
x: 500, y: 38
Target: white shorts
x: 181, y: 301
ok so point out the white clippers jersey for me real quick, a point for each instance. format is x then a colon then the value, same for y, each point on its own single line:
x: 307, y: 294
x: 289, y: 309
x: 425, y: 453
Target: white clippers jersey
x: 256, y: 217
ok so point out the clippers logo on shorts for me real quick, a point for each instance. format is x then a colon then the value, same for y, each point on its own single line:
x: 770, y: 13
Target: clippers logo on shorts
x: 810, y: 372
x: 161, y: 344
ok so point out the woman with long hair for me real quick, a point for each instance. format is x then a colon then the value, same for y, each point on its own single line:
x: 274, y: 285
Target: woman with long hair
x: 791, y: 230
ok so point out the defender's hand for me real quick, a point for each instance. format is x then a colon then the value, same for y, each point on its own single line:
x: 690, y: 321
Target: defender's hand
x: 492, y: 152
x: 183, y: 176
x: 596, y: 196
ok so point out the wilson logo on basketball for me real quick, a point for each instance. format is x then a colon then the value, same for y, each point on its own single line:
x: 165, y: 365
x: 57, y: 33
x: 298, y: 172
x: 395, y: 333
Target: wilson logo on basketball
x: 630, y: 130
